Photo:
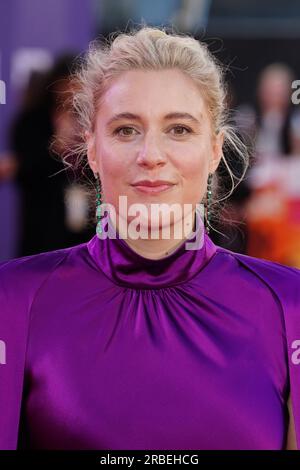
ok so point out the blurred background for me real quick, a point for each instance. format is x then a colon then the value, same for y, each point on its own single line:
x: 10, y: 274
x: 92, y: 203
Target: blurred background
x: 42, y: 207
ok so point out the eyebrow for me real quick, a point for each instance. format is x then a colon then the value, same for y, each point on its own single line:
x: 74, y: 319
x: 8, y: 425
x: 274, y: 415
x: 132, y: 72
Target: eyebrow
x: 169, y: 116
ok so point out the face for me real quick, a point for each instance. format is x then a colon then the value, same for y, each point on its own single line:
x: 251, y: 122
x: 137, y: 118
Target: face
x: 274, y: 90
x: 164, y: 134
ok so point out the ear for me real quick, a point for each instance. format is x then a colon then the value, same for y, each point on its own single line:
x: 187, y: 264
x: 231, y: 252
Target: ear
x: 91, y: 151
x: 217, y: 151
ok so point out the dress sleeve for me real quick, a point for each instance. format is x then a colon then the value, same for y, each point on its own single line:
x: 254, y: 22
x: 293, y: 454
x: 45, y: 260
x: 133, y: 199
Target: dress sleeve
x: 284, y: 281
x: 20, y: 279
x: 14, y: 321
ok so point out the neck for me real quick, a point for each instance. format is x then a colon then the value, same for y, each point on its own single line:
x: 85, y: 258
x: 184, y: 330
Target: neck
x: 160, y: 247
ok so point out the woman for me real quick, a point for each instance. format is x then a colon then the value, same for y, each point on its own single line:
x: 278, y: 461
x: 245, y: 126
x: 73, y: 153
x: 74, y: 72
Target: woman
x: 145, y: 343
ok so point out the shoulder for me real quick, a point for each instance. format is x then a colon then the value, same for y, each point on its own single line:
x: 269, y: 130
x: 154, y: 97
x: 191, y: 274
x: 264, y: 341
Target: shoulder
x: 259, y: 262
x: 282, y: 279
x: 23, y: 278
x: 24, y: 275
x: 39, y: 264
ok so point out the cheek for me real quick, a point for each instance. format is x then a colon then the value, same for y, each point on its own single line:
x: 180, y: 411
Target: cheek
x: 194, y: 170
x: 192, y: 165
x: 112, y: 164
x: 112, y: 168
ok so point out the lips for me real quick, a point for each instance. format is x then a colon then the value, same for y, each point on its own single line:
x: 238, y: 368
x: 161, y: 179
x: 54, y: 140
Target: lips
x: 152, y: 183
x: 153, y: 187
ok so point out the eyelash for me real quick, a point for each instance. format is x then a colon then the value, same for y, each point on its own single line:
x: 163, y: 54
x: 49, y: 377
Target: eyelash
x: 116, y: 131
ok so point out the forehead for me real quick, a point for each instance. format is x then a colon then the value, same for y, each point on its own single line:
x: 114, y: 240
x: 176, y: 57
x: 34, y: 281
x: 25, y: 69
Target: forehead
x: 156, y: 92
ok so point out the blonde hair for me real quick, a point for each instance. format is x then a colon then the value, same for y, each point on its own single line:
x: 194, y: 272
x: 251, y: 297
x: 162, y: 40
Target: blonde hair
x: 152, y: 48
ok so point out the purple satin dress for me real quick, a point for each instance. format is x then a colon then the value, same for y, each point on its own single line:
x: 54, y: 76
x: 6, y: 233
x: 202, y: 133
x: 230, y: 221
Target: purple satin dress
x: 104, y: 349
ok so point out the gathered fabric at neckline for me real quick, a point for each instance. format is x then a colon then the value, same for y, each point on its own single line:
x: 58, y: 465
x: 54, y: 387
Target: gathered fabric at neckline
x: 125, y: 267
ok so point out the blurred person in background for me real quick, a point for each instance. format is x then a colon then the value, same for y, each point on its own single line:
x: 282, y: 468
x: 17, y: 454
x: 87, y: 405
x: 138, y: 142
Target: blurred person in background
x: 271, y: 122
x: 272, y: 212
x: 274, y: 112
x: 41, y: 176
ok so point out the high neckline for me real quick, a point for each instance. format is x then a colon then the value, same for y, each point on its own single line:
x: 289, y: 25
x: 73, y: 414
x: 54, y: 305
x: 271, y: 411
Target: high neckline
x: 125, y: 267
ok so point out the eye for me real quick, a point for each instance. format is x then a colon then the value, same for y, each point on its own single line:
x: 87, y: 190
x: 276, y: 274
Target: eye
x: 117, y: 131
x: 182, y: 127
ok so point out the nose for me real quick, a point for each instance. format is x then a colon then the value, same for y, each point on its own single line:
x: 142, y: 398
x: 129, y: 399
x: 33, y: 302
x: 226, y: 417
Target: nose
x: 151, y: 154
